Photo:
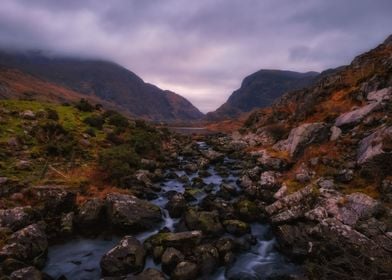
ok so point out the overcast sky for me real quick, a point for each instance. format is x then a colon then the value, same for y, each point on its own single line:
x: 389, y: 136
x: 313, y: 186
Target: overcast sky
x: 201, y: 49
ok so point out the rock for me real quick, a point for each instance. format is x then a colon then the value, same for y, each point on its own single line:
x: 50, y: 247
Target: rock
x: 28, y: 115
x: 335, y: 133
x: 23, y: 165
x: 207, y: 258
x: 374, y: 146
x: 247, y: 210
x: 203, y: 163
x: 380, y: 95
x: 301, y: 137
x: 67, y: 221
x: 345, y: 175
x: 29, y: 245
x: 148, y: 274
x: 91, y: 212
x: 326, y: 183
x: 17, y: 218
x: 386, y: 190
x: 27, y: 273
x: 208, y: 222
x: 143, y: 176
x: 293, y: 239
x: 236, y: 227
x: 170, y: 258
x: 176, y: 205
x: 55, y: 199
x: 185, y: 271
x: 353, y: 117
x: 213, y: 156
x: 269, y: 179
x: 191, y: 167
x: 127, y: 257
x: 303, y: 175
x: 178, y: 240
x: 127, y: 212
x: 281, y: 192
x: 271, y: 163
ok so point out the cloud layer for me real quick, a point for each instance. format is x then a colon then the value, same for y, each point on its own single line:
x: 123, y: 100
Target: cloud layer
x: 200, y: 49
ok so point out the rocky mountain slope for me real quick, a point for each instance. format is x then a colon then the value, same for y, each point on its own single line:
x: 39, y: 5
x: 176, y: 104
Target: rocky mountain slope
x: 259, y: 90
x: 319, y: 160
x: 102, y: 80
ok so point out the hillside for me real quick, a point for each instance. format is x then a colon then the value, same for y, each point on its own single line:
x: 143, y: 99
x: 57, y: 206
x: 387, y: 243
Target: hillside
x: 106, y: 81
x: 259, y: 90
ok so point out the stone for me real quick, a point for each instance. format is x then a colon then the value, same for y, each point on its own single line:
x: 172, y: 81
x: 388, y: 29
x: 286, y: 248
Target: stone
x: 176, y: 205
x: 28, y: 244
x: 380, y: 95
x: 67, y: 221
x: 281, y: 192
x: 345, y: 175
x: 55, y: 199
x: 335, y: 133
x: 207, y: 258
x: 127, y: 212
x: 28, y: 115
x: 27, y: 273
x: 373, y: 146
x: 127, y: 257
x: 236, y: 227
x: 353, y: 117
x: 269, y: 162
x: 91, y: 212
x: 326, y: 183
x: 208, y: 222
x: 179, y: 240
x: 185, y: 271
x: 170, y: 258
x: 213, y: 156
x: 17, y: 218
x: 269, y: 179
x: 301, y: 137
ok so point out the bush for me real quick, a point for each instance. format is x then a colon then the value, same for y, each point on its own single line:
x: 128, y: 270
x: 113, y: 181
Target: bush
x: 96, y: 121
x: 52, y: 114
x: 119, y: 162
x: 145, y: 142
x: 118, y: 120
x: 84, y: 106
x: 277, y: 131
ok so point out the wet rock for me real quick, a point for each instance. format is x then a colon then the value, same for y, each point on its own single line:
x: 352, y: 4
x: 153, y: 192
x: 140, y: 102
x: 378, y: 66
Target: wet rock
x: 236, y: 227
x: 67, y: 221
x: 248, y: 211
x: 17, y: 218
x: 170, y: 258
x: 178, y: 240
x: 55, y: 199
x: 191, y: 167
x: 302, y: 136
x: 91, y: 212
x: 176, y: 205
x: 185, y: 271
x: 127, y: 257
x: 213, y: 156
x: 127, y: 212
x: 10, y: 265
x: 148, y: 274
x: 207, y: 258
x: 28, y: 273
x: 144, y: 177
x: 208, y: 222
x: 203, y: 163
x: 29, y: 245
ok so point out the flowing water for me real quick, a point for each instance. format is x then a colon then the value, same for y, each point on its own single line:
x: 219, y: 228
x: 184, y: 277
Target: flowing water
x: 79, y: 258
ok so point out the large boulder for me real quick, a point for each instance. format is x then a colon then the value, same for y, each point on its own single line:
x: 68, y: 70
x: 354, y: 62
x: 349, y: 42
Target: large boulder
x: 185, y: 271
x: 127, y: 257
x: 376, y: 147
x: 302, y: 136
x: 29, y: 245
x: 353, y: 117
x: 17, y: 218
x: 54, y: 199
x: 127, y: 212
x: 178, y: 240
x: 207, y: 258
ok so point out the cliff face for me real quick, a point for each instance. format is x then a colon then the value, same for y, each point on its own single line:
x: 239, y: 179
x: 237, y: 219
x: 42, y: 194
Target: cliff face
x: 108, y: 82
x: 260, y: 90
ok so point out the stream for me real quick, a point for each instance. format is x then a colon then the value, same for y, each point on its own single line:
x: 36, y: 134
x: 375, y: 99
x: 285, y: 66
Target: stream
x: 79, y: 258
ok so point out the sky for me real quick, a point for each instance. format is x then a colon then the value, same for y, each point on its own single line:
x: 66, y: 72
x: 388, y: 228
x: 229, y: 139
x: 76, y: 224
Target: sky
x: 200, y: 49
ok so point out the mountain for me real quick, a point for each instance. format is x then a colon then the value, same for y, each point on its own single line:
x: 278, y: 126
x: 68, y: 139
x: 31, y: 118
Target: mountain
x: 325, y: 151
x: 260, y: 89
x: 105, y: 81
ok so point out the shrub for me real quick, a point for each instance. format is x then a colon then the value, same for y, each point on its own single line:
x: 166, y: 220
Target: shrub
x: 277, y: 131
x: 90, y: 131
x: 145, y: 142
x: 118, y: 120
x: 84, y: 106
x: 96, y: 121
x: 52, y: 114
x: 119, y: 162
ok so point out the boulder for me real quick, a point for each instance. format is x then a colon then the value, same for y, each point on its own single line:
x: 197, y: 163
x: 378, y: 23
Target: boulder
x: 28, y: 115
x: 302, y: 136
x: 236, y: 227
x: 17, y: 218
x: 353, y: 117
x: 207, y: 258
x: 176, y: 205
x: 208, y: 222
x: 91, y: 212
x: 269, y: 180
x: 29, y: 245
x: 375, y: 146
x: 67, y: 222
x: 185, y: 271
x: 27, y: 273
x: 213, y: 156
x: 170, y: 258
x: 127, y: 212
x: 269, y: 162
x: 54, y: 199
x: 335, y: 133
x: 127, y: 257
x: 380, y: 95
